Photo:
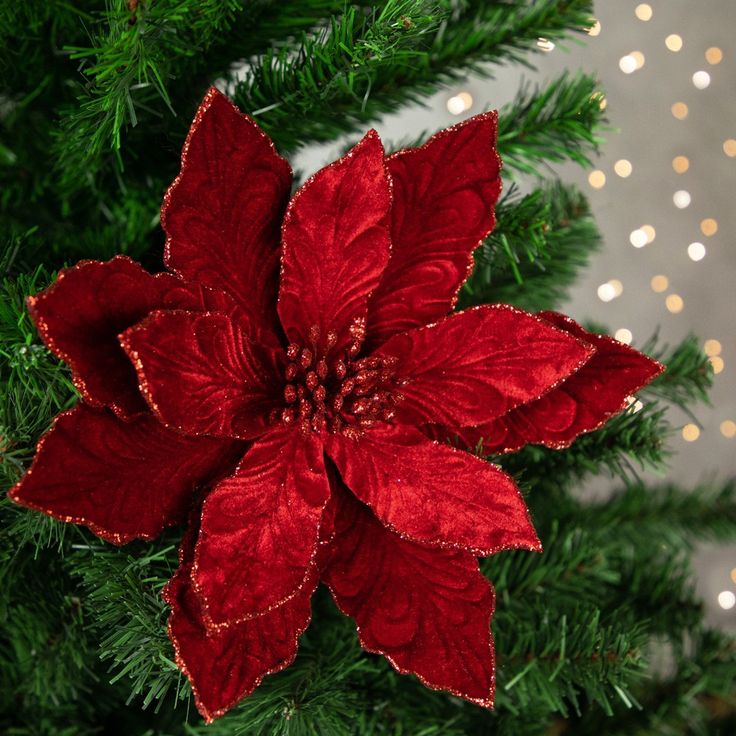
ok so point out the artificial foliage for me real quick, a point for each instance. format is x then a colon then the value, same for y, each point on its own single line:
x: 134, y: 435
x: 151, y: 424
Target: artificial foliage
x: 291, y: 368
x: 96, y: 102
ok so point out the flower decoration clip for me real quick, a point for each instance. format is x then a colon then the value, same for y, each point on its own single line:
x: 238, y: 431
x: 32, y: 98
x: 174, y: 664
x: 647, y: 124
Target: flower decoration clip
x: 295, y: 368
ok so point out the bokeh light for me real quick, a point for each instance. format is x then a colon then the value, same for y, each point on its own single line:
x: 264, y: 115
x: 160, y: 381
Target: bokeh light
x: 690, y: 432
x: 674, y: 303
x: 673, y: 42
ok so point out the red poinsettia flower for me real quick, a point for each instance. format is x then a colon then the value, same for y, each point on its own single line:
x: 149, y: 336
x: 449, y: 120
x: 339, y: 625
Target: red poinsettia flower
x: 296, y: 361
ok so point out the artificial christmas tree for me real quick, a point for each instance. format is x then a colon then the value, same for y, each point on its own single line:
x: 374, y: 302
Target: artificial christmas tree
x: 84, y: 643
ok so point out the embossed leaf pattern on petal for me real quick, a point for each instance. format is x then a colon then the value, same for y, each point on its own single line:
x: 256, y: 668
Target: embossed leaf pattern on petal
x: 259, y: 528
x: 275, y: 388
x: 123, y: 479
x: 432, y: 493
x: 427, y: 610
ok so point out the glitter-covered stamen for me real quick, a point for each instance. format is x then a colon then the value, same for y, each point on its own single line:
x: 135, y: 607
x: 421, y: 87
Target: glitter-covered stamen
x: 340, y: 392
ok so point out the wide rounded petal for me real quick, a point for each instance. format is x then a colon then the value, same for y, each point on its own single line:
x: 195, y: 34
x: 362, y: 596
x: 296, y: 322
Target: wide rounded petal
x: 223, y: 212
x: 122, y: 479
x: 582, y: 403
x: 225, y: 665
x: 259, y: 529
x: 202, y: 374
x: 432, y: 493
x: 80, y: 316
x: 335, y: 245
x: 426, y: 610
x: 477, y: 364
x: 443, y: 207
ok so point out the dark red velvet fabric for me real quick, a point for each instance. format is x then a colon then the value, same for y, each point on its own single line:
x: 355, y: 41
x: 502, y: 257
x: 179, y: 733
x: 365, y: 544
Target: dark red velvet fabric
x: 226, y: 664
x: 426, y: 610
x: 328, y: 387
x: 443, y: 198
x: 480, y: 363
x: 432, y: 493
x: 122, y: 479
x: 258, y: 535
x: 174, y: 353
x: 81, y: 315
x: 581, y: 403
x: 335, y: 245
x: 223, y: 212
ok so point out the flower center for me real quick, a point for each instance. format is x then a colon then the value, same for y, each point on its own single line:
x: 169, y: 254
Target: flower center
x: 339, y: 391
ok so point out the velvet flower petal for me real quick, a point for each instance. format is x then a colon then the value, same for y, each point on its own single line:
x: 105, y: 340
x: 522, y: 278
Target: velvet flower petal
x: 335, y: 245
x: 259, y: 528
x: 432, y: 493
x: 223, y: 212
x: 443, y: 198
x: 426, y: 610
x: 225, y: 665
x: 332, y: 374
x: 122, y: 479
x: 582, y: 403
x: 477, y: 364
x: 202, y: 374
x: 80, y: 316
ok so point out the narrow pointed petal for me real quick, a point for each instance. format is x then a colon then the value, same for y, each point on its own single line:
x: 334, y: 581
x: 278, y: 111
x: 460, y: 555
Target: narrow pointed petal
x: 201, y: 374
x: 123, y: 479
x: 223, y: 212
x: 426, y: 610
x: 226, y: 665
x: 259, y: 528
x: 582, y: 403
x: 433, y: 494
x: 477, y: 364
x: 335, y: 244
x: 443, y: 207
x: 80, y: 316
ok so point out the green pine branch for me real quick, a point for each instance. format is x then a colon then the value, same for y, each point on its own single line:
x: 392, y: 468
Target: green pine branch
x: 586, y: 563
x: 334, y: 67
x: 541, y: 242
x: 128, y: 616
x: 626, y: 442
x: 552, y: 124
x: 46, y: 657
x: 564, y: 659
x: 689, y: 375
x: 341, y: 79
x: 667, y: 514
x: 126, y: 67
x: 34, y: 386
x: 694, y: 697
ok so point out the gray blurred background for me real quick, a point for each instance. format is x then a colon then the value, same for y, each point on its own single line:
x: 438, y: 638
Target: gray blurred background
x: 663, y: 195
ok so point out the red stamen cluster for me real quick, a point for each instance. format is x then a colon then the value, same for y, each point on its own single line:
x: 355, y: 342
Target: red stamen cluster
x: 346, y: 394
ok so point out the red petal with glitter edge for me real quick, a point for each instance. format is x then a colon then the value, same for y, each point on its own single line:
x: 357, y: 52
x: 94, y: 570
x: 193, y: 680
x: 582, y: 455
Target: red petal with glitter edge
x: 201, y: 374
x: 582, y: 403
x: 225, y: 665
x: 443, y: 199
x: 222, y: 213
x: 426, y: 610
x: 259, y: 529
x: 477, y: 364
x: 432, y: 493
x: 80, y: 315
x: 122, y: 479
x: 335, y: 244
